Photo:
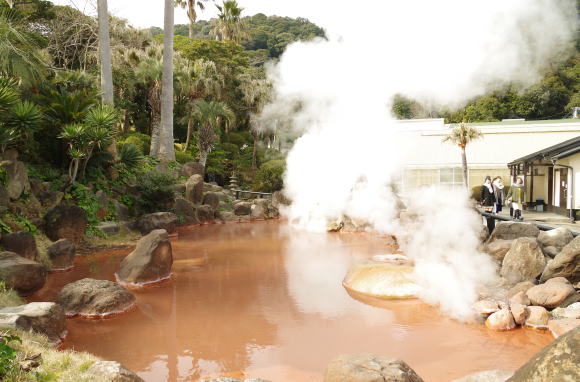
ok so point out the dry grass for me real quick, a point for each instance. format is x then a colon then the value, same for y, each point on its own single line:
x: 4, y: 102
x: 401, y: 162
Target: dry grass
x: 125, y: 238
x: 42, y: 242
x: 8, y: 297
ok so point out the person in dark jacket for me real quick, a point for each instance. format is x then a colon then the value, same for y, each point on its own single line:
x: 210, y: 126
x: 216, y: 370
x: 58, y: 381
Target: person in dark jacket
x: 487, y: 201
x: 498, y: 191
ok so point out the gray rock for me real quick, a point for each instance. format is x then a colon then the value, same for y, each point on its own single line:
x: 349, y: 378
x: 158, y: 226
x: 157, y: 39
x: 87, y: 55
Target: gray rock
x: 205, y: 214
x: 550, y: 294
x: 65, y: 221
x: 103, y: 201
x: 61, y: 254
x: 279, y: 199
x: 121, y: 211
x: 212, y: 199
x: 258, y: 211
x: 194, y: 189
x: 560, y: 326
x: 186, y: 210
x: 554, y: 240
x: 113, y: 371
x: 537, y: 317
x: 524, y: 261
x: 46, y: 318
x: 50, y: 198
x: 23, y: 243
x: 191, y: 168
x: 23, y: 275
x: 520, y: 287
x: 242, y: 208
x: 158, y: 220
x: 109, y: 228
x: 369, y: 368
x: 519, y: 312
x: 501, y: 320
x: 565, y: 264
x: 17, y: 178
x: 486, y: 376
x: 556, y: 362
x: 94, y: 298
x: 513, y: 230
x: 150, y: 262
x: 498, y: 249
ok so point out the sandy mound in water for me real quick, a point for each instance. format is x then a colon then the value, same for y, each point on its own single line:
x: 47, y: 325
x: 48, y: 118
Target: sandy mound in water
x: 383, y: 279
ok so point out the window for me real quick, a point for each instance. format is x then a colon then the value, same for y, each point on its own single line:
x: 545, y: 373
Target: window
x: 451, y: 176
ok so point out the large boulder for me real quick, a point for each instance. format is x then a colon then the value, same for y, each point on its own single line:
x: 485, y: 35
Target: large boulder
x: 205, y: 214
x: 61, y: 254
x: 519, y: 312
x: 194, y: 189
x: 382, y: 280
x: 242, y: 208
x: 572, y: 311
x: 191, y: 168
x: 94, y: 298
x: 150, y: 262
x: 121, y: 211
x: 23, y: 243
x: 565, y: 264
x: 158, y: 220
x: 186, y: 210
x: 23, y: 275
x: 109, y: 228
x: 65, y: 221
x: 561, y: 326
x: 498, y: 249
x: 524, y: 261
x: 113, y: 372
x: 513, y: 230
x: 550, y: 294
x: 369, y: 368
x: 554, y: 240
x: 16, y: 177
x: 46, y: 318
x: 258, y: 211
x: 212, y: 199
x: 523, y: 286
x: 556, y: 362
x: 486, y: 376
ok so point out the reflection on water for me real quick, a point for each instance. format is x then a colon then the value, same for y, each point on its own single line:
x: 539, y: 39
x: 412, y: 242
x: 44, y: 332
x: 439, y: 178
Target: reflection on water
x: 264, y: 300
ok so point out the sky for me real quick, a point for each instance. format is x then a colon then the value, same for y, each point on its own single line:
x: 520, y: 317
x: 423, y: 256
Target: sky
x: 146, y: 13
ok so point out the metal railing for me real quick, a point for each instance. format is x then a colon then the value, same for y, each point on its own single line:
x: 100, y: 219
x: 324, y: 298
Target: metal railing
x: 260, y: 195
x: 542, y: 227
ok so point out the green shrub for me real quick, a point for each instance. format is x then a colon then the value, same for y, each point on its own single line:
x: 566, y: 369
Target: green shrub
x: 183, y: 157
x: 8, y: 362
x: 141, y: 141
x: 156, y: 191
x: 270, y: 176
x: 83, y: 197
x: 3, y: 176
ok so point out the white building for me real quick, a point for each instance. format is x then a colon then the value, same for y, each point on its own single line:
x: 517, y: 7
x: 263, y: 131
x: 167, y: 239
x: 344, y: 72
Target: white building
x: 430, y: 161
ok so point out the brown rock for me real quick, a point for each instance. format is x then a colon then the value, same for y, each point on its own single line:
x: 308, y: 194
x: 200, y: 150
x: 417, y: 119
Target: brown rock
x: 211, y: 199
x: 556, y: 362
x: 501, y: 320
x: 158, y: 220
x: 23, y: 275
x: 524, y: 261
x: 538, y: 317
x: 191, y: 168
x: 22, y: 243
x: 61, y: 254
x: 486, y: 376
x: 16, y: 178
x: 486, y: 307
x: 565, y: 264
x: 150, y: 262
x: 205, y: 214
x: 369, y: 368
x: 114, y: 372
x: 513, y: 230
x: 554, y: 240
x: 520, y: 298
x: 65, y: 222
x: 520, y: 287
x: 520, y: 313
x: 41, y: 317
x: 561, y: 326
x: 194, y: 189
x: 242, y: 208
x: 498, y: 249
x: 551, y: 294
x: 94, y: 298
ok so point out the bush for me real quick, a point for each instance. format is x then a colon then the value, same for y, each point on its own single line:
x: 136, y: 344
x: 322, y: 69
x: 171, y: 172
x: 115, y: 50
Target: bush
x: 156, y: 191
x: 270, y: 176
x: 183, y: 157
x: 141, y: 141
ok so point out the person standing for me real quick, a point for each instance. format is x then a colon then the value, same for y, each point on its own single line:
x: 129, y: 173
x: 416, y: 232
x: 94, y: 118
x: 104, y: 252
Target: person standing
x: 499, y: 193
x: 487, y: 201
x: 516, y: 197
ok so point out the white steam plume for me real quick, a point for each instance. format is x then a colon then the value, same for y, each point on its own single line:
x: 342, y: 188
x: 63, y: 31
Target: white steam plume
x: 442, y: 52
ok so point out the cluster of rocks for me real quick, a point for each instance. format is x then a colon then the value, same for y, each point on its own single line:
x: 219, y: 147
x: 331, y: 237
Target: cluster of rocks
x: 543, y: 268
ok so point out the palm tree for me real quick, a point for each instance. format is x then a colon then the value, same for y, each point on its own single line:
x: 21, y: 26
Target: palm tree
x: 202, y: 79
x: 191, y: 12
x: 211, y: 116
x: 105, y: 53
x: 230, y: 26
x: 148, y: 73
x: 166, y: 151
x: 19, y: 53
x: 463, y: 135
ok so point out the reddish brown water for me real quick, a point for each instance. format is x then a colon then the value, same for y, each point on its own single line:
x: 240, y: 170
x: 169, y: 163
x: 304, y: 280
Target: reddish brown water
x: 264, y: 300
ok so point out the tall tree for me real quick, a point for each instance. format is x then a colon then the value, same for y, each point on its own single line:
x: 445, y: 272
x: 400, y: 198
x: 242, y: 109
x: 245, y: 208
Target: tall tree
x: 105, y: 53
x: 166, y: 150
x: 190, y: 6
x: 463, y: 135
x: 230, y: 26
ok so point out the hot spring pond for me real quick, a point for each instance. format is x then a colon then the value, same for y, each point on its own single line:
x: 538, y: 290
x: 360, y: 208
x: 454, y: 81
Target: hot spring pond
x: 266, y: 301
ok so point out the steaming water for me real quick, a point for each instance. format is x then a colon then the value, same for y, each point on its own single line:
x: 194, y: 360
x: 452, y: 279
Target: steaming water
x: 264, y: 300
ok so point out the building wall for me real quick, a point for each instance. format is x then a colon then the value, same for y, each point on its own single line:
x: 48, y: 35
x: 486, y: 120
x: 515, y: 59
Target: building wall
x: 573, y: 176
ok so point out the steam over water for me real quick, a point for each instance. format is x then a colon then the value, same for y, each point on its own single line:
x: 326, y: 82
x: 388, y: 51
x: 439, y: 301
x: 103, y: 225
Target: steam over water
x: 337, y: 94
